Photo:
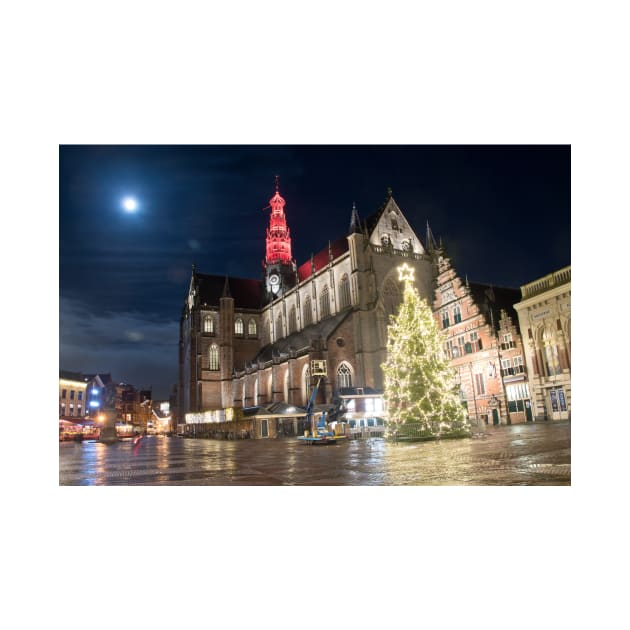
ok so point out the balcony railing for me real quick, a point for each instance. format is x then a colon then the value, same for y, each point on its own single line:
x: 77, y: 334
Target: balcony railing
x: 380, y: 249
x: 563, y: 276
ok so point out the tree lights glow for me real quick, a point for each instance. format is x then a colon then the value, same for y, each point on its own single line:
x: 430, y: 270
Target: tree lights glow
x: 420, y: 385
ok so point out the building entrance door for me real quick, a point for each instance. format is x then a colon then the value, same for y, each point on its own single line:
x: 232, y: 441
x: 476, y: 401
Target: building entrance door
x: 495, y: 417
x: 528, y: 411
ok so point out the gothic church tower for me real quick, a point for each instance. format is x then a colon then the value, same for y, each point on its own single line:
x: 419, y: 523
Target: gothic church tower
x: 280, y: 268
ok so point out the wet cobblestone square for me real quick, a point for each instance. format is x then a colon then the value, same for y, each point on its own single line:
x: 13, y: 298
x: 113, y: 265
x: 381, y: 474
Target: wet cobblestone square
x: 532, y: 454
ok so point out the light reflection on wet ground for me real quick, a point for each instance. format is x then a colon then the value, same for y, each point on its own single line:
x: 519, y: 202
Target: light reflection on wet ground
x: 533, y: 454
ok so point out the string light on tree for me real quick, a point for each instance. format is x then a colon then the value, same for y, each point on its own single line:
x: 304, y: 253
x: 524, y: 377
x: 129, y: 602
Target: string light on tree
x: 420, y: 385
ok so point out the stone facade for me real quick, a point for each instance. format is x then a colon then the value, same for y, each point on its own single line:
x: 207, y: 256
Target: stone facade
x: 544, y: 314
x: 72, y: 396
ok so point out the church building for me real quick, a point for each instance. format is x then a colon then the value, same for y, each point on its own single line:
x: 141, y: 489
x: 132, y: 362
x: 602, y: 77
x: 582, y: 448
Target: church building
x: 246, y: 343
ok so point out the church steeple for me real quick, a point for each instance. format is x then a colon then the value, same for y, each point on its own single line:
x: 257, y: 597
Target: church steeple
x: 430, y: 242
x: 280, y: 268
x: 355, y: 223
x: 278, y: 234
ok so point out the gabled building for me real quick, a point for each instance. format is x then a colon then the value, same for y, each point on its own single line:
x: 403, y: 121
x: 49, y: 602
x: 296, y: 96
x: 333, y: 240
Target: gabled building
x: 483, y: 344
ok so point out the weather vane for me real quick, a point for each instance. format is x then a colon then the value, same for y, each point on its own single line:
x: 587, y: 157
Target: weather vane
x: 405, y: 274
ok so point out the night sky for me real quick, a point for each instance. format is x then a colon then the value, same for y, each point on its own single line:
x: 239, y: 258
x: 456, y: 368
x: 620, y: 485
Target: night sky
x: 503, y: 214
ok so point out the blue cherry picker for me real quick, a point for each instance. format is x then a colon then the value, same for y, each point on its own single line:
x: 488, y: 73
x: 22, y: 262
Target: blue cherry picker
x: 318, y: 434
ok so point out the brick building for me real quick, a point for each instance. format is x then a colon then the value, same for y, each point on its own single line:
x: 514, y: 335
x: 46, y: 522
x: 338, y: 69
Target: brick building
x: 483, y: 344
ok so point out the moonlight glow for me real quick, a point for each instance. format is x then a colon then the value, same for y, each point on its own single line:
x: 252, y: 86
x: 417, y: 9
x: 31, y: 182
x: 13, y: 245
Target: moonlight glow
x: 130, y: 204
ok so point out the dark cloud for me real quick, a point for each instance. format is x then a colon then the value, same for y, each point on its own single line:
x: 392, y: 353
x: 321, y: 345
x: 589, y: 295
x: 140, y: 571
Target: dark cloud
x: 134, y: 348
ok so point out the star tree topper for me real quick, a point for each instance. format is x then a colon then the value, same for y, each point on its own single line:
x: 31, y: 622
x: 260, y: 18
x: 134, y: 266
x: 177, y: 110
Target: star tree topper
x: 405, y: 274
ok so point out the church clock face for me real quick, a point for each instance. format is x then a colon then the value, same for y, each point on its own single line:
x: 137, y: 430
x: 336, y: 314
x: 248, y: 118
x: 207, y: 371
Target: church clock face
x: 274, y: 281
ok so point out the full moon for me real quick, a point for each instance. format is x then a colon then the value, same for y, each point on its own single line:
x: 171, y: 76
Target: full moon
x: 129, y: 204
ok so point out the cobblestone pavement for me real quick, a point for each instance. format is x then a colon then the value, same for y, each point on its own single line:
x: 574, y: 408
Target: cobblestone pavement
x: 532, y: 454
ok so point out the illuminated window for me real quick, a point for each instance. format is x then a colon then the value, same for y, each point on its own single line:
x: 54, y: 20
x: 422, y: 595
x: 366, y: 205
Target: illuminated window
x: 238, y: 326
x: 292, y: 320
x: 324, y: 303
x: 344, y: 376
x: 308, y: 312
x: 344, y: 292
x: 369, y: 404
x: 208, y: 324
x: 251, y: 328
x: 213, y: 357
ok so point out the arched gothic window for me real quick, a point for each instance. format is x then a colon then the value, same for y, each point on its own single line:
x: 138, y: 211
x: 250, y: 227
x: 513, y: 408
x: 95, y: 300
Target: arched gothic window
x: 344, y: 376
x: 279, y: 334
x: 308, y: 312
x: 391, y: 297
x: 344, y: 291
x: 550, y: 353
x: 213, y: 357
x: 208, y: 324
x: 251, y: 328
x: 292, y: 320
x: 324, y: 303
x: 238, y: 326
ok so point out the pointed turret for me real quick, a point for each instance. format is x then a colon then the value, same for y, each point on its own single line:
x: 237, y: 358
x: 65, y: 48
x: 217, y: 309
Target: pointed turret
x: 355, y: 222
x: 226, y: 289
x: 430, y: 240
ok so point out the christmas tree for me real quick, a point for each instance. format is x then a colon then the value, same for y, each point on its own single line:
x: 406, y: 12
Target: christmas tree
x: 420, y: 387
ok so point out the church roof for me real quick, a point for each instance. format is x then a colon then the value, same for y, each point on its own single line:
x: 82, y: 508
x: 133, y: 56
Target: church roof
x: 302, y: 338
x: 247, y: 293
x: 338, y: 247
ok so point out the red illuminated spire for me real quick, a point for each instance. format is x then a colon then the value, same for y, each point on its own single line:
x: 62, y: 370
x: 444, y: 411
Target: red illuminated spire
x: 278, y: 235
